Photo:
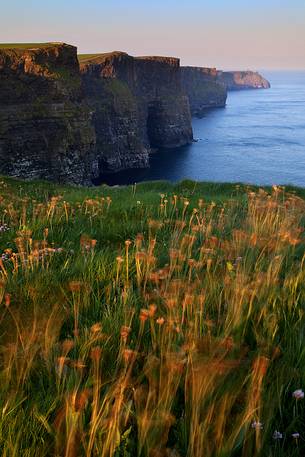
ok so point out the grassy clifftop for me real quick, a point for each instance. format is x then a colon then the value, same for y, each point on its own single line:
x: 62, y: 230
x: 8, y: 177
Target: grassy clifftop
x: 151, y: 320
x: 26, y: 45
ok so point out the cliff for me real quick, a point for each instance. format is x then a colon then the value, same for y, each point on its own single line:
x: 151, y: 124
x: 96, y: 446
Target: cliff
x: 45, y: 126
x: 67, y: 121
x: 238, y: 80
x: 203, y: 89
x: 147, y: 105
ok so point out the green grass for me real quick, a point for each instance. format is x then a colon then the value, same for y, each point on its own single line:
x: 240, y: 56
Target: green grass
x: 151, y: 320
x: 97, y: 58
x: 25, y: 45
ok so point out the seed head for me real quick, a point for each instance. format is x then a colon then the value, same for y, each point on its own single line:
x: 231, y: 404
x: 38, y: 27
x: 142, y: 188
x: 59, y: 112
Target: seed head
x: 160, y: 321
x: 144, y: 314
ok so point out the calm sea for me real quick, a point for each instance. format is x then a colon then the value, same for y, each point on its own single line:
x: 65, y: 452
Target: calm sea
x: 258, y: 138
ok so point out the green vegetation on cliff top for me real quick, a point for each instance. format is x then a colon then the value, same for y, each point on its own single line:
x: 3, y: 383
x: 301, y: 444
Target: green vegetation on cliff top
x: 154, y: 319
x: 97, y: 58
x: 26, y: 45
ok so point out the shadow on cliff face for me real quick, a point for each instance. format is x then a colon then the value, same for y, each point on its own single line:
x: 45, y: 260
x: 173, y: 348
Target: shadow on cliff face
x: 165, y: 164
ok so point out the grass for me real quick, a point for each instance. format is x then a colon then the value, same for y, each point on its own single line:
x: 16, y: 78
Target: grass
x: 97, y: 58
x: 25, y: 45
x: 151, y: 320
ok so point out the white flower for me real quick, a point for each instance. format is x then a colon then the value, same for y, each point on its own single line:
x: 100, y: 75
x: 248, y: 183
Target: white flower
x: 298, y: 394
x: 295, y: 435
x: 4, y: 228
x: 257, y: 425
x: 277, y: 435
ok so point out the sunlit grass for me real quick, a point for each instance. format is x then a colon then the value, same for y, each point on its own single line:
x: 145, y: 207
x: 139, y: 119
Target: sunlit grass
x: 151, y: 320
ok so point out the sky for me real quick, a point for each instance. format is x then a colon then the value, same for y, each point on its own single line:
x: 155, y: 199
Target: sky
x: 227, y: 34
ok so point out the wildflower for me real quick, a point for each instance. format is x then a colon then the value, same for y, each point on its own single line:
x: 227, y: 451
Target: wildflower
x: 75, y: 286
x: 144, y: 314
x: 129, y: 355
x: 257, y: 425
x: 298, y: 394
x: 160, y: 321
x: 152, y: 310
x: 277, y: 435
x: 119, y: 259
x: 140, y: 255
x: 96, y: 328
x: 125, y: 332
x: 67, y: 345
x: 4, y: 228
x: 295, y: 435
x: 95, y: 353
x: 7, y: 300
x: 82, y: 399
x: 200, y: 203
x: 127, y: 243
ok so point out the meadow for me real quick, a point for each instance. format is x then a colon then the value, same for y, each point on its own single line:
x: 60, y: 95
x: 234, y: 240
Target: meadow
x: 151, y: 320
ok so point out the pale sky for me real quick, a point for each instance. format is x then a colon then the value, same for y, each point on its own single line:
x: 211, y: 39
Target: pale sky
x: 228, y: 34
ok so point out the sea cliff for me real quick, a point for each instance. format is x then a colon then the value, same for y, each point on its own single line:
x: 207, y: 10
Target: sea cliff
x: 45, y: 124
x: 139, y: 105
x: 67, y: 121
x: 203, y: 89
x: 70, y: 118
x: 238, y: 80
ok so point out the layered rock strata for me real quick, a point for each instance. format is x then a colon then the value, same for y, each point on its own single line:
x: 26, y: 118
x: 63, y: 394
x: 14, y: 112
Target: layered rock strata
x: 147, y: 105
x: 70, y: 122
x: 45, y: 125
x: 203, y: 89
x: 238, y: 80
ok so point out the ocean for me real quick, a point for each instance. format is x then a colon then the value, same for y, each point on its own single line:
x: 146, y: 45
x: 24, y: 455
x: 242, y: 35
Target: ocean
x: 258, y: 138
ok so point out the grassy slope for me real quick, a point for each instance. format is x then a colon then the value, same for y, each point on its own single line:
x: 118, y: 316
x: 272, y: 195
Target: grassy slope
x: 96, y: 58
x: 24, y: 45
x: 231, y: 350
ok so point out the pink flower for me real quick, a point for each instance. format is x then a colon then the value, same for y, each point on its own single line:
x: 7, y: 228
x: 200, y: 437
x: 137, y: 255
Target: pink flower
x: 257, y: 425
x: 298, y: 394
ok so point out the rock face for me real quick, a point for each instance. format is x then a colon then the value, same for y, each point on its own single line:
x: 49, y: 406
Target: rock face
x: 45, y: 126
x: 238, y: 80
x: 70, y: 122
x: 146, y: 107
x: 203, y: 89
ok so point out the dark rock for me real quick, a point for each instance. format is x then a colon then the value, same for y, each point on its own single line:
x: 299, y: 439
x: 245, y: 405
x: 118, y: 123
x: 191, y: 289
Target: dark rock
x: 139, y: 106
x: 45, y: 125
x: 67, y: 125
x: 203, y: 89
